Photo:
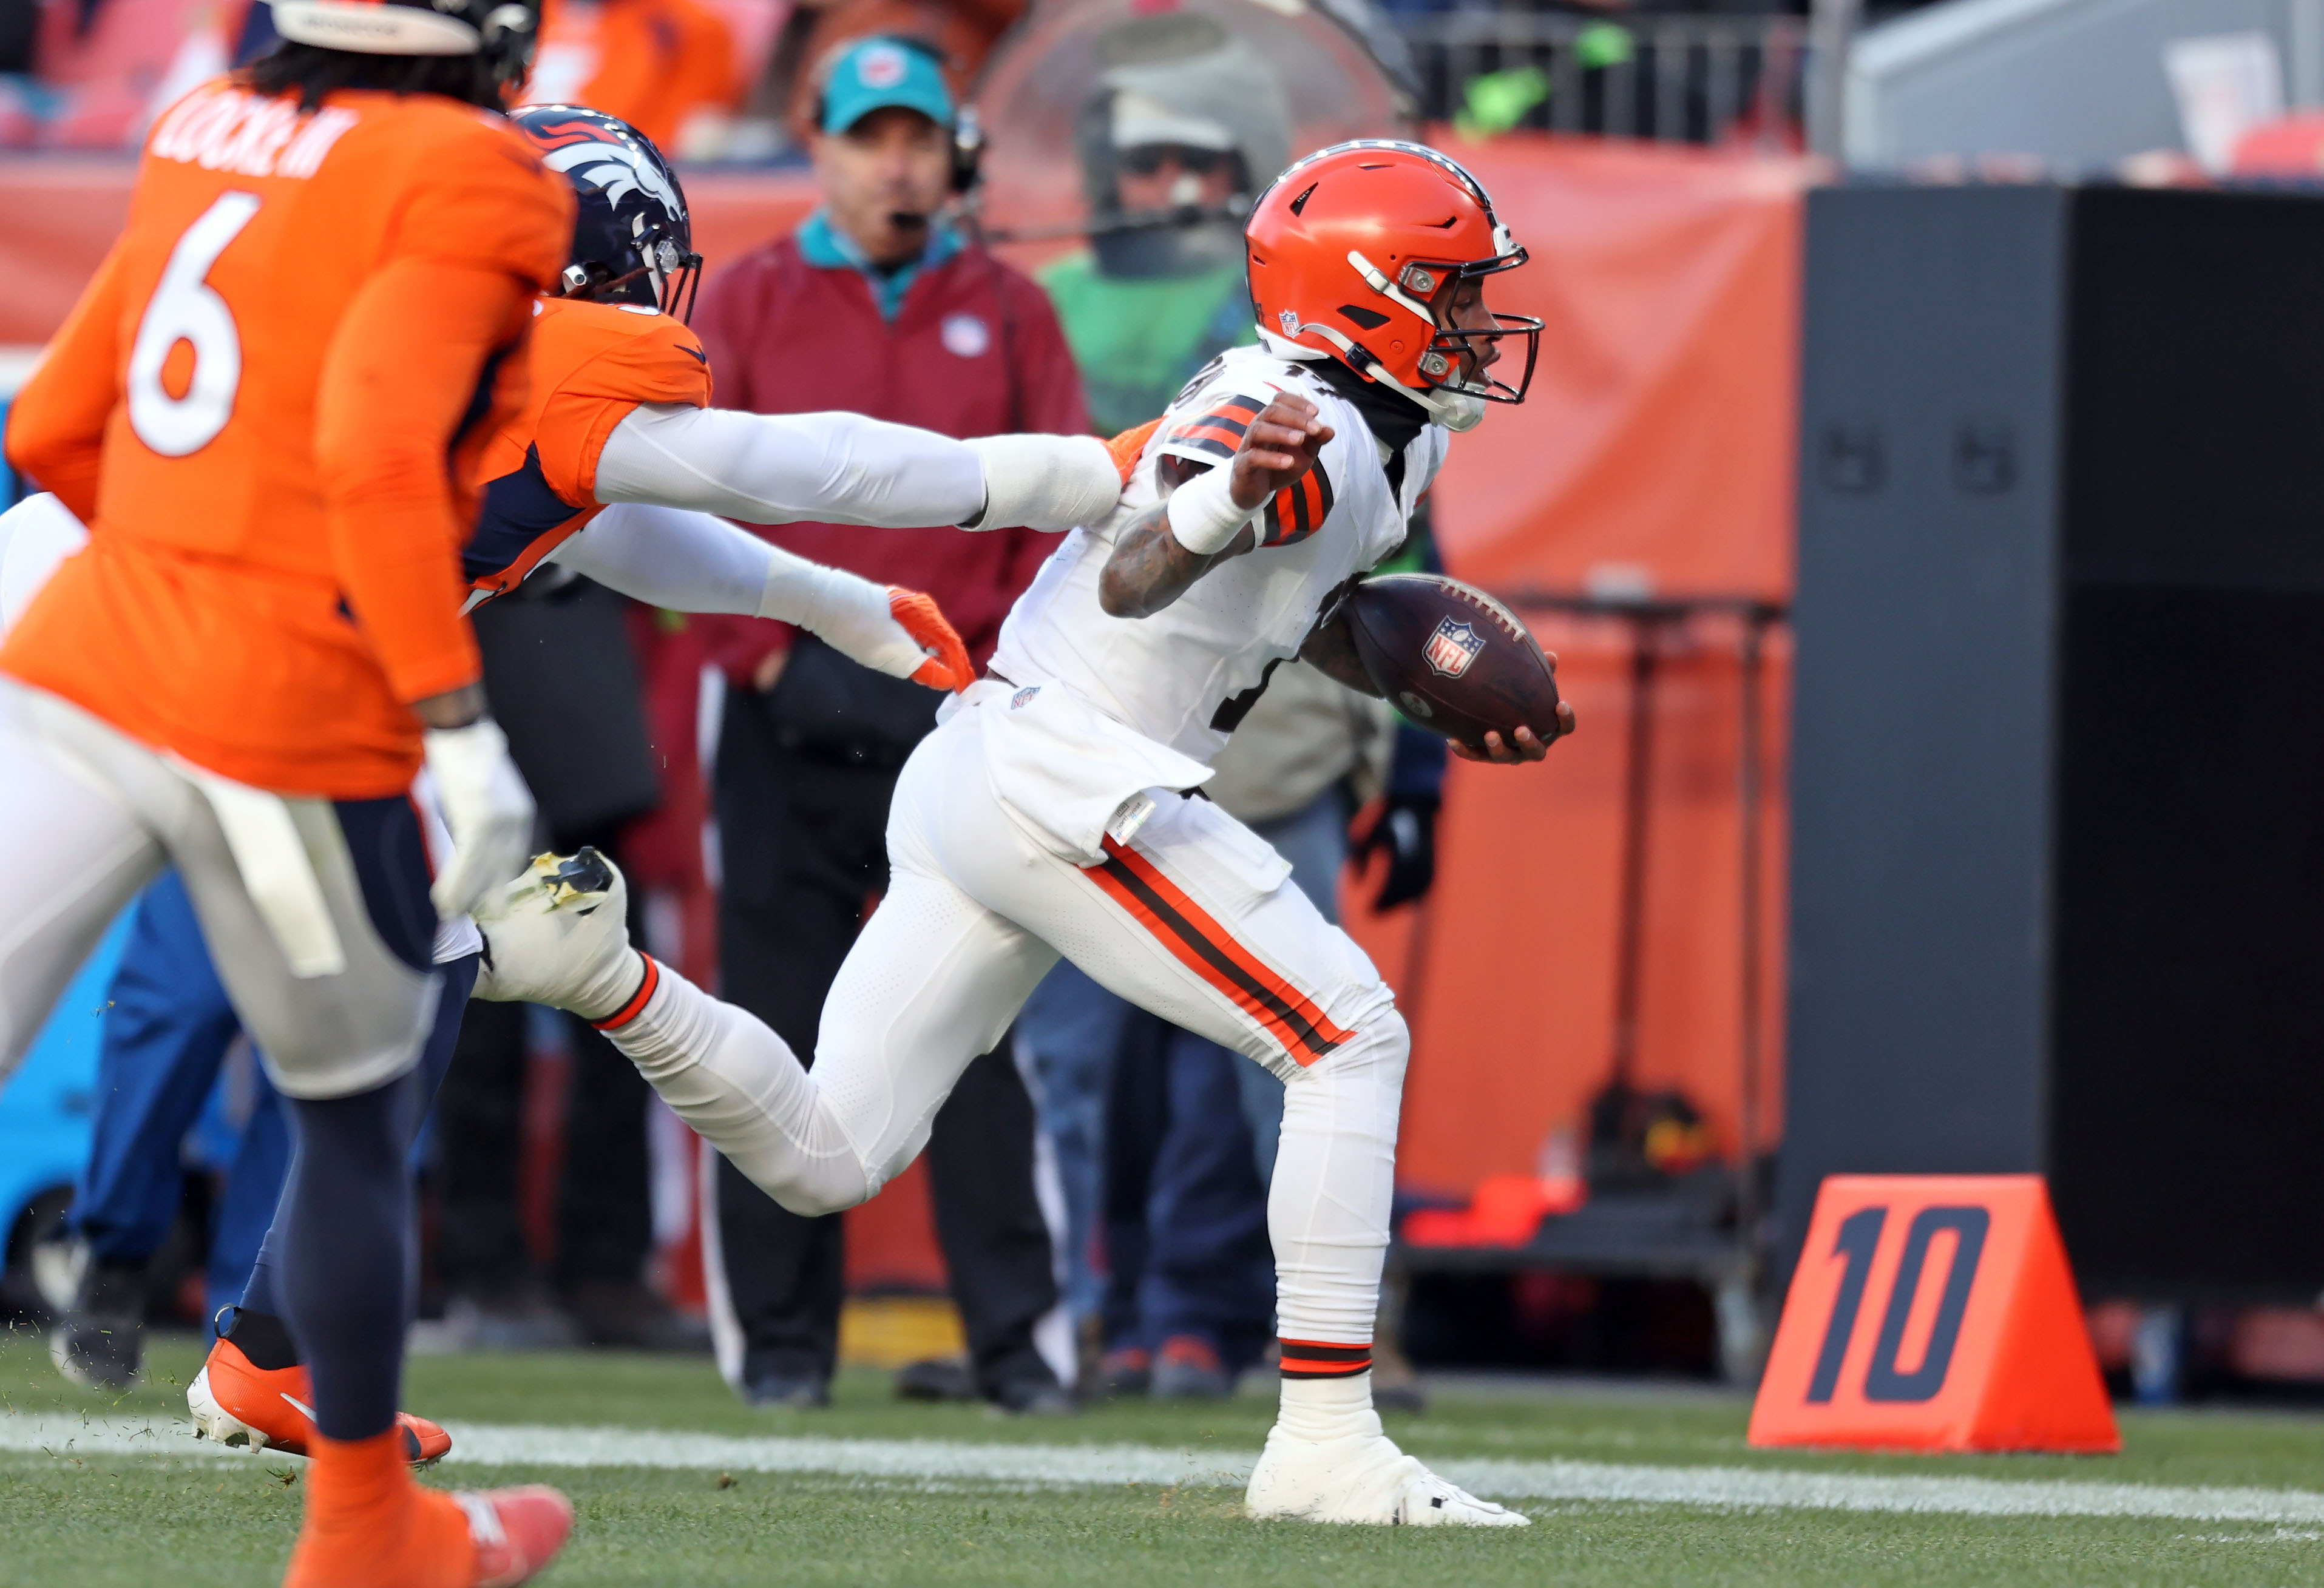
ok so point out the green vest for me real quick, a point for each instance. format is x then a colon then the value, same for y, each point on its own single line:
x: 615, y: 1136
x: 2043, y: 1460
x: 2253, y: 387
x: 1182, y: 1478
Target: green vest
x: 1139, y: 339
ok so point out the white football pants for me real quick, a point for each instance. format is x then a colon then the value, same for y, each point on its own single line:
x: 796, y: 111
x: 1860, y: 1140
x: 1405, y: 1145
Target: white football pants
x: 89, y: 816
x: 1190, y: 921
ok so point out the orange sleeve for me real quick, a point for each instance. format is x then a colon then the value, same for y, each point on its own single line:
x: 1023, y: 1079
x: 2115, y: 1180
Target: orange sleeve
x: 56, y: 426
x: 422, y: 364
x: 665, y: 365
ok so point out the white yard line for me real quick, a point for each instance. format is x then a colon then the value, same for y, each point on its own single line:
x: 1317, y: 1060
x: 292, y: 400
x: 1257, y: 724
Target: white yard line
x: 1100, y: 1465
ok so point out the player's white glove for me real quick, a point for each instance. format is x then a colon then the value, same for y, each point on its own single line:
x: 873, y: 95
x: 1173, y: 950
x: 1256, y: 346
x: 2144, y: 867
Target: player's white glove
x: 899, y: 632
x: 559, y: 935
x: 1046, y: 481
x: 487, y: 807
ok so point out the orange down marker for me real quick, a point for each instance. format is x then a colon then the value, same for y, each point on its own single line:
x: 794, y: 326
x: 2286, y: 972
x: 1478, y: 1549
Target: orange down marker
x: 1933, y: 1312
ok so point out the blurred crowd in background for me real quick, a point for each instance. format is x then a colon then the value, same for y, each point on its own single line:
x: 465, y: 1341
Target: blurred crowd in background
x: 729, y: 81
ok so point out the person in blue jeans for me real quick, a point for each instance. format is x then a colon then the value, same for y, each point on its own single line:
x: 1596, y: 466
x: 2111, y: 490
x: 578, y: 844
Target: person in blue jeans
x: 163, y: 1041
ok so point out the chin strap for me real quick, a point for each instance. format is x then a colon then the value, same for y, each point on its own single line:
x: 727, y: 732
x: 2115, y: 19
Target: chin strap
x: 1455, y: 410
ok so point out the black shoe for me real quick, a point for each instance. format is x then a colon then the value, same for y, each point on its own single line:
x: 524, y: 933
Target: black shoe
x: 1035, y: 1398
x: 1187, y: 1368
x: 100, y: 1343
x: 1127, y: 1373
x: 939, y: 1377
x: 788, y: 1392
x: 614, y: 1313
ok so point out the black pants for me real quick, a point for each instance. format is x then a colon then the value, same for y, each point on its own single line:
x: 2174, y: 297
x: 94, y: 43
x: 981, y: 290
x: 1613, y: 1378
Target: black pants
x: 605, y: 1207
x: 802, y: 830
x: 605, y: 1212
x: 564, y: 684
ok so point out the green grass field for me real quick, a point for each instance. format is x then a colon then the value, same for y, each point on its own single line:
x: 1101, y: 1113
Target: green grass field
x: 97, y: 1516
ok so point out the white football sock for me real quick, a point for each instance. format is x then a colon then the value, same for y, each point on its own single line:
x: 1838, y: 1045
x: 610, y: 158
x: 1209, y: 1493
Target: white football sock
x: 726, y: 1073
x: 1328, y: 1408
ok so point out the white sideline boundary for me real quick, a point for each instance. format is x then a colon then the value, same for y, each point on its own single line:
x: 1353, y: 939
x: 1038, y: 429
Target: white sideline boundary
x: 1086, y: 1466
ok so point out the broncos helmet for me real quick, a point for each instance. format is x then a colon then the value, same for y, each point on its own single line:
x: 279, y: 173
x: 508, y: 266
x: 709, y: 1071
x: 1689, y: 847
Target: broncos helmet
x: 631, y: 239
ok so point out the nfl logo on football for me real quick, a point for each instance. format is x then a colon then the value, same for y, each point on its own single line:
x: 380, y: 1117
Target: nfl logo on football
x: 1453, y: 647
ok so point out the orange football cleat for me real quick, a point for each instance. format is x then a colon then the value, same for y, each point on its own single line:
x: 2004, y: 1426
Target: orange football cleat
x: 234, y: 1402
x: 369, y: 1526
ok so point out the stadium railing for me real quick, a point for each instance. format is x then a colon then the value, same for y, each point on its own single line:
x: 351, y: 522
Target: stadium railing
x: 1676, y: 78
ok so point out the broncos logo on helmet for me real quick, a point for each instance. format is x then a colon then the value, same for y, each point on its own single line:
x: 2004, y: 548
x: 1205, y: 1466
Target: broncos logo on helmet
x: 631, y: 239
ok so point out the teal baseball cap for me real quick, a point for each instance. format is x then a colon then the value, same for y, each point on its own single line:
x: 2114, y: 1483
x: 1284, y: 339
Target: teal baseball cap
x: 879, y: 73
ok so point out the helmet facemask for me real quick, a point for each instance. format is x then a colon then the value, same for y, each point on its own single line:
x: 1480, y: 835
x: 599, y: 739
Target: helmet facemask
x: 1456, y: 357
x: 666, y: 276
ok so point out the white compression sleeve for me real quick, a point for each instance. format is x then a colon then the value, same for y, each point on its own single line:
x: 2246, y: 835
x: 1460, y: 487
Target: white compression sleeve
x: 673, y: 557
x: 723, y: 1072
x: 690, y: 561
x: 778, y: 468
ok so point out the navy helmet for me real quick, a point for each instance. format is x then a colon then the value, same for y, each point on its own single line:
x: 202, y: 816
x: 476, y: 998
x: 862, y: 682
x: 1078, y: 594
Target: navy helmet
x: 631, y: 239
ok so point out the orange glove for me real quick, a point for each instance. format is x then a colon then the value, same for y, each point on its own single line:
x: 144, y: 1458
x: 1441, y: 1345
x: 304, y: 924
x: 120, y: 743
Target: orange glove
x: 947, y: 667
x: 1130, y: 446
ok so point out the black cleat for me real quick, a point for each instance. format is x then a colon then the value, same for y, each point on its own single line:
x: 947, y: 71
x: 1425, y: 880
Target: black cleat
x: 99, y: 1343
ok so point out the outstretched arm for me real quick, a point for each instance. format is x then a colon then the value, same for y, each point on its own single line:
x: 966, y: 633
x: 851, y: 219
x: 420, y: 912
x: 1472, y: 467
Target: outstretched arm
x: 842, y: 468
x: 1206, y: 517
x: 690, y: 561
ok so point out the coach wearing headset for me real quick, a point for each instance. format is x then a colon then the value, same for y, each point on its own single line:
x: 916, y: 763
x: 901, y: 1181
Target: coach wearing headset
x: 875, y: 304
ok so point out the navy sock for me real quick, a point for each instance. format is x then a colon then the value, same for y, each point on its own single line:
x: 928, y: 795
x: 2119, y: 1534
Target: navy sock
x: 262, y: 1337
x: 258, y: 1292
x: 262, y: 1293
x: 346, y: 1248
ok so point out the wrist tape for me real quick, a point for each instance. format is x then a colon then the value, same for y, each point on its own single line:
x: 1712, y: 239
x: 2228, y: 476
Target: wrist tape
x: 1204, y: 513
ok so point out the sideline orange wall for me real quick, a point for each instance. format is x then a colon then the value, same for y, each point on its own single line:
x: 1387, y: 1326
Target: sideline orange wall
x: 1658, y: 436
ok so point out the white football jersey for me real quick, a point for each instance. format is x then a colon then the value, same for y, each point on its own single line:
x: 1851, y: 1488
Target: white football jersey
x: 1185, y: 675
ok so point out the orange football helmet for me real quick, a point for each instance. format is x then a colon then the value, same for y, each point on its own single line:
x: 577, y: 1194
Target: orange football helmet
x: 1353, y: 249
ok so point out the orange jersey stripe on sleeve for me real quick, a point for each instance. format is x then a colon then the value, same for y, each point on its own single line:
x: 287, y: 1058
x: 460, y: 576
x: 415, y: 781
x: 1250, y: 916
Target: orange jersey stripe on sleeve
x: 1217, y: 432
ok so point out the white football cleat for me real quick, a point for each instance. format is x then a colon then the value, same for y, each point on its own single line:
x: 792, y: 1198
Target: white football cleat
x: 559, y: 935
x: 1363, y: 1479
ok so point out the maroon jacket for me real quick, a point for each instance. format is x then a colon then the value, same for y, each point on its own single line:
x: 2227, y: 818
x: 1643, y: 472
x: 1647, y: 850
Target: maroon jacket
x: 974, y: 350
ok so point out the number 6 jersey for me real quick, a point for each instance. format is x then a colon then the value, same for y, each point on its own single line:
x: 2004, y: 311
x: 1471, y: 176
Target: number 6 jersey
x: 269, y: 406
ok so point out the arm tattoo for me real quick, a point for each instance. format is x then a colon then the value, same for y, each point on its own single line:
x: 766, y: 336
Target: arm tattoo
x: 1149, y: 569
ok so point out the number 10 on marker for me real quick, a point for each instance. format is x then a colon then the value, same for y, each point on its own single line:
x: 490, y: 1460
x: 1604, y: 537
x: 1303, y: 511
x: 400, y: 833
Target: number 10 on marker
x: 1933, y: 1312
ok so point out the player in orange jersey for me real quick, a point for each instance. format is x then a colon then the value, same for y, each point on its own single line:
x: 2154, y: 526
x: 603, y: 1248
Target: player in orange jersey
x: 615, y: 415
x: 269, y: 405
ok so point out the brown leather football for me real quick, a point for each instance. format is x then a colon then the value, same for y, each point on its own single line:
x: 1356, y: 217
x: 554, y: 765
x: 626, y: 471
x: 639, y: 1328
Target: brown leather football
x: 1451, y: 659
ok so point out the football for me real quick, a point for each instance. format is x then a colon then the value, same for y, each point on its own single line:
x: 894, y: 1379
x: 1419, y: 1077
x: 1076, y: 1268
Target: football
x: 1451, y: 659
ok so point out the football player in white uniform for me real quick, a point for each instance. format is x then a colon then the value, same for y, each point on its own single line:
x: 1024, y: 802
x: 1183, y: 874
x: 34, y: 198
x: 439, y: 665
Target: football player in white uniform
x: 1057, y: 810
